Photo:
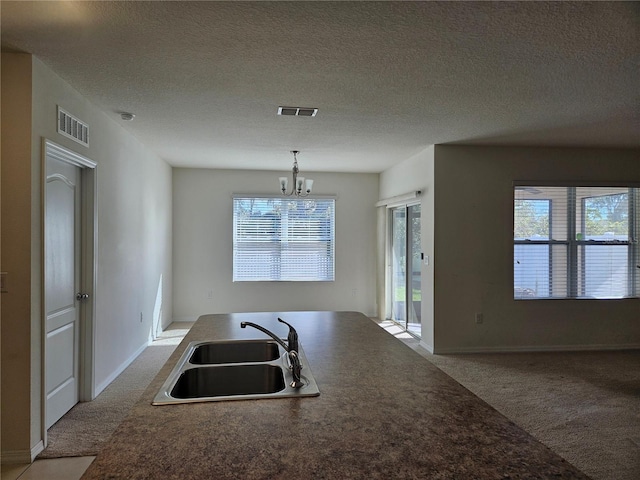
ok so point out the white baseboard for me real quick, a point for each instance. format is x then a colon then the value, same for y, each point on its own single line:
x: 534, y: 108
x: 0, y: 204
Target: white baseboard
x: 428, y: 348
x: 119, y: 370
x: 35, y: 451
x: 22, y: 456
x: 535, y: 348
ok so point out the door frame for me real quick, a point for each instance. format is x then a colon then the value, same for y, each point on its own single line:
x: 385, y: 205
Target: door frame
x: 389, y: 303
x: 88, y: 268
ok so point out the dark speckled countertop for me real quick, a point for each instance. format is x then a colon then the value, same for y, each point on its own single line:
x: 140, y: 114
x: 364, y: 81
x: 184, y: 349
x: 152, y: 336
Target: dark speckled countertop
x: 383, y: 412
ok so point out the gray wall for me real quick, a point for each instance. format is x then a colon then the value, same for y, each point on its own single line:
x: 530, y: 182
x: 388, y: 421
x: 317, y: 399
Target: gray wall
x: 467, y: 231
x: 203, y: 245
x: 134, y: 224
x: 474, y: 253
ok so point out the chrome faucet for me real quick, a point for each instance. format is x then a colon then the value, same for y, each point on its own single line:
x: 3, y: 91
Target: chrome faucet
x: 291, y: 347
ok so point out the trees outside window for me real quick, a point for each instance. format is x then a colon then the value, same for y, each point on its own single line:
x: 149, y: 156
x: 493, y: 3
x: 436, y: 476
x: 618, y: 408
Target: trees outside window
x: 576, y: 242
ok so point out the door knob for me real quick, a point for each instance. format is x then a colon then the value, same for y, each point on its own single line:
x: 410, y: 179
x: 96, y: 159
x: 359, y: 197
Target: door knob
x: 82, y: 296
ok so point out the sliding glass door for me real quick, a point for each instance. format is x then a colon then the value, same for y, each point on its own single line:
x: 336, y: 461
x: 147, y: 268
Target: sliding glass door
x: 406, y: 284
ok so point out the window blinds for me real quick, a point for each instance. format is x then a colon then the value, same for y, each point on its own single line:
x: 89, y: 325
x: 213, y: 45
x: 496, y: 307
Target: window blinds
x: 283, y: 239
x: 576, y: 242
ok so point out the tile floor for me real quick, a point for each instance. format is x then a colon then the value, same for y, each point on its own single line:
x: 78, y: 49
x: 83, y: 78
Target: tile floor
x: 70, y: 468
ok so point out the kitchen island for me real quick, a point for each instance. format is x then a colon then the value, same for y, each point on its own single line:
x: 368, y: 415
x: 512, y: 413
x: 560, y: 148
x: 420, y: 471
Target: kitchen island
x: 383, y: 412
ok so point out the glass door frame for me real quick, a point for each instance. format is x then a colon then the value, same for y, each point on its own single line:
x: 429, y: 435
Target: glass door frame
x: 411, y: 314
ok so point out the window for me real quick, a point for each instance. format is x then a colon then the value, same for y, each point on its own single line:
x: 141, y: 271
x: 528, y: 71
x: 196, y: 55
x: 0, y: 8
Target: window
x: 283, y: 239
x: 576, y: 242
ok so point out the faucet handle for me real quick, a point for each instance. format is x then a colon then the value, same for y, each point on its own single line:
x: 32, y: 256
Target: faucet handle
x: 296, y: 368
x: 292, y: 338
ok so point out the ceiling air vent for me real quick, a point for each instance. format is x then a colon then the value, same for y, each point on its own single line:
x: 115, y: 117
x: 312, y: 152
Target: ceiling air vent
x: 71, y: 127
x: 297, y: 111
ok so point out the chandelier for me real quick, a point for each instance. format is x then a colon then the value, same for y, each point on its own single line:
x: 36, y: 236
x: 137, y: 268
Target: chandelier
x: 301, y: 186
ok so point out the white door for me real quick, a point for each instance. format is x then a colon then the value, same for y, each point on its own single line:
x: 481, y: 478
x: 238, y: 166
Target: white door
x: 62, y: 281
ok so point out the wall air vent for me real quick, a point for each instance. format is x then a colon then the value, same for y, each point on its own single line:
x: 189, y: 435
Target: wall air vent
x: 297, y: 111
x: 71, y: 127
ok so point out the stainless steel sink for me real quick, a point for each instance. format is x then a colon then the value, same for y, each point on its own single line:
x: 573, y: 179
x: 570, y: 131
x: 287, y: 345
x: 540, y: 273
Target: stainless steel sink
x: 234, y: 352
x: 234, y: 370
x: 229, y: 380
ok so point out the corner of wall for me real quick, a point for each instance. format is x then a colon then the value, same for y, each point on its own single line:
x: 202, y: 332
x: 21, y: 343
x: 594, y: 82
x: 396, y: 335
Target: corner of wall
x: 20, y: 422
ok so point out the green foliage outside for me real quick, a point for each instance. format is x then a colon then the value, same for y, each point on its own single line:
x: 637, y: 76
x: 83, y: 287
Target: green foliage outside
x: 608, y: 213
x: 531, y: 218
x: 603, y: 214
x: 399, y: 295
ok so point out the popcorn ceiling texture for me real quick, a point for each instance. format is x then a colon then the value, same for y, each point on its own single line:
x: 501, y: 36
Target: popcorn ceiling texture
x: 205, y: 78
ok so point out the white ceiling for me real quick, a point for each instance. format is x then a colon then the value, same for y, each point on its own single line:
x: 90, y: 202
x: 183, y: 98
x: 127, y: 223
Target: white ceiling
x: 205, y: 79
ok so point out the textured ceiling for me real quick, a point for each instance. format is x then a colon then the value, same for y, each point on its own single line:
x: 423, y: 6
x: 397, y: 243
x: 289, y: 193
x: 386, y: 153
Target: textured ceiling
x: 204, y: 79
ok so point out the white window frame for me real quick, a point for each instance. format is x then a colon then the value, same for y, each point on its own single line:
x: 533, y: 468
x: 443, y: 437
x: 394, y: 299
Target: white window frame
x: 576, y: 287
x: 319, y: 249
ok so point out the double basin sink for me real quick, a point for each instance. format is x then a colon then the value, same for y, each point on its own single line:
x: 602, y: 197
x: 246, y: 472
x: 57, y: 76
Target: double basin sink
x: 234, y: 370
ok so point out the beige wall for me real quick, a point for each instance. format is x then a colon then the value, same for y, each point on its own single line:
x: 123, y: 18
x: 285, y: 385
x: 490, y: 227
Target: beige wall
x: 16, y: 203
x: 203, y: 245
x: 133, y: 247
x: 474, y: 253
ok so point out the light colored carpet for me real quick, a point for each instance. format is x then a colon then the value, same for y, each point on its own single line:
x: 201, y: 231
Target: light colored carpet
x: 585, y: 406
x: 88, y: 425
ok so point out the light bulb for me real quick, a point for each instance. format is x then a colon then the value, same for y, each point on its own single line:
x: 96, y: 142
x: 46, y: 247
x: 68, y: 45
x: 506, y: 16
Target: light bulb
x: 308, y: 185
x: 283, y: 184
